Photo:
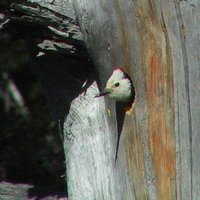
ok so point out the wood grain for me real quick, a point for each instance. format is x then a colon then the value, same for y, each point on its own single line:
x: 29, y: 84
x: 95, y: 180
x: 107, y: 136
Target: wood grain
x: 157, y: 43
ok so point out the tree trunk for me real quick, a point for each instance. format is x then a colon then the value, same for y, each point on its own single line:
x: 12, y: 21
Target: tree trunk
x: 157, y: 43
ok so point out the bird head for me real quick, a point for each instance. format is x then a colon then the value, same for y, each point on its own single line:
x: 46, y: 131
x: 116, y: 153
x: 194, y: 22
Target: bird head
x: 119, y: 87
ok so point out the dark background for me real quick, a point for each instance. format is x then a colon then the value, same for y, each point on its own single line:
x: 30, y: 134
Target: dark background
x: 30, y: 144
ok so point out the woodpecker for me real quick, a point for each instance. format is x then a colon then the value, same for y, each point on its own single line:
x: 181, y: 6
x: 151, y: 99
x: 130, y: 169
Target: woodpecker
x: 120, y: 88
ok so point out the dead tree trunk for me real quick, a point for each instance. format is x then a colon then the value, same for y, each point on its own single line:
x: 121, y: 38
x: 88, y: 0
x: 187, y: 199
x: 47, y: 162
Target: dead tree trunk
x: 157, y: 43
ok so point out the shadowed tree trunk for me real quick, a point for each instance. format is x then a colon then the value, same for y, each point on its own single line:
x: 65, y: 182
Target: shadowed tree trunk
x: 157, y: 43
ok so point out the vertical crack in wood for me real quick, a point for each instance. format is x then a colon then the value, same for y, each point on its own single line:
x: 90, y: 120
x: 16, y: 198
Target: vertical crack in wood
x: 186, y: 73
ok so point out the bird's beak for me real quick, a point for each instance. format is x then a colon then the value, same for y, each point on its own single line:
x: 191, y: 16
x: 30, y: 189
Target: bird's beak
x: 103, y: 93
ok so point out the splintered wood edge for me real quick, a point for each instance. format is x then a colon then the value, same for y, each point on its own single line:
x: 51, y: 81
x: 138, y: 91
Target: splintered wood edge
x: 131, y: 109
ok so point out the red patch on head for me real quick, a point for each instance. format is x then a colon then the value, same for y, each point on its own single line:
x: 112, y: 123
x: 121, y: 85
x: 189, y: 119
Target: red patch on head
x: 119, y: 68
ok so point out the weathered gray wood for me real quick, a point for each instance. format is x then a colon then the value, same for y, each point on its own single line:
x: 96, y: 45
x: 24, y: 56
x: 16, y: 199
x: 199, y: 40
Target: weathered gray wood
x: 53, y: 25
x: 88, y: 153
x: 9, y: 191
x: 58, y: 16
x: 191, y: 52
x: 108, y: 28
x: 157, y: 43
x: 184, y: 37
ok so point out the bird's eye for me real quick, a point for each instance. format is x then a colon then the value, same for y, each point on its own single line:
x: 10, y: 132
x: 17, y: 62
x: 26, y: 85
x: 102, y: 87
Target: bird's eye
x: 116, y: 84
